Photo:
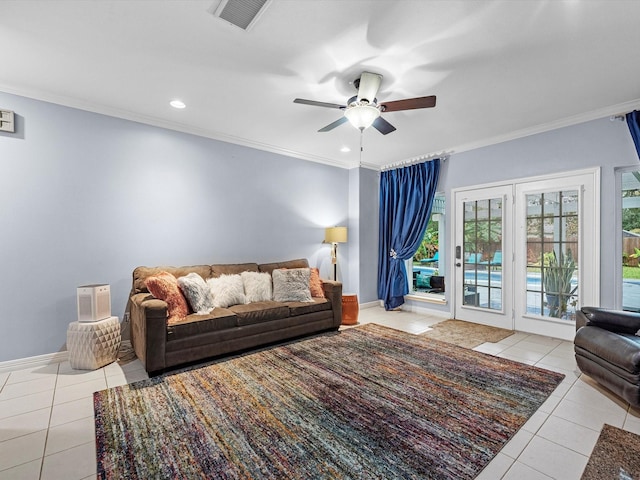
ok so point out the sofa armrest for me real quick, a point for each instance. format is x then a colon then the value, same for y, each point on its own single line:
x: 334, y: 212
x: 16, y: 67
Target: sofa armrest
x: 333, y: 293
x: 149, y: 330
x: 617, y: 321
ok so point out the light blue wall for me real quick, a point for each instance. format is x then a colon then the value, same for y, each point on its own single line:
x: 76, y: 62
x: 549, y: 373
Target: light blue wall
x: 85, y: 198
x: 363, y: 233
x: 600, y: 143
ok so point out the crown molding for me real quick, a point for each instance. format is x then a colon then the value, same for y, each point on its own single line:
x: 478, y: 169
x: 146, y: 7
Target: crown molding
x: 613, y: 110
x: 158, y: 122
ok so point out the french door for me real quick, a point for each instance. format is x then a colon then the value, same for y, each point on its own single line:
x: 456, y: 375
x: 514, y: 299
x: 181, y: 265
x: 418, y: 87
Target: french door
x: 527, y: 253
x: 483, y: 269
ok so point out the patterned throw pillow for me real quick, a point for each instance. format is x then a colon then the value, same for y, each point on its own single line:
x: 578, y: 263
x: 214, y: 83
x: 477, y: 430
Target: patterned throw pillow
x: 257, y: 286
x: 315, y: 284
x: 227, y: 290
x: 164, y: 286
x: 291, y: 285
x: 197, y: 292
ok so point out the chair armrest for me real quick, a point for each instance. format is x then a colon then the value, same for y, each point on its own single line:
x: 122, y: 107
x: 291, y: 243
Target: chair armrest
x: 149, y: 330
x: 616, y: 321
x: 333, y: 293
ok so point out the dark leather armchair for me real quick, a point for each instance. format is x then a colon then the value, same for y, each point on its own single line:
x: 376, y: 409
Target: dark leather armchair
x: 608, y: 350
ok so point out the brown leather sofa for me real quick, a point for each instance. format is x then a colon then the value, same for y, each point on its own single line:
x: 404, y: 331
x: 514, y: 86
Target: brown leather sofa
x: 608, y: 350
x: 225, y: 330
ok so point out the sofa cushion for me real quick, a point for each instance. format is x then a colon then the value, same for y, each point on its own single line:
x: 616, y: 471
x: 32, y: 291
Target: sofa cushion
x: 140, y: 274
x: 232, y: 268
x: 270, y: 267
x: 227, y: 290
x: 291, y: 285
x: 197, y: 293
x: 258, y: 312
x: 302, y: 308
x: 194, y: 324
x: 257, y: 286
x: 164, y: 286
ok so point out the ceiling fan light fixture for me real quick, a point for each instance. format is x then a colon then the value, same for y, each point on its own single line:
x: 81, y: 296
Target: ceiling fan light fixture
x: 362, y: 116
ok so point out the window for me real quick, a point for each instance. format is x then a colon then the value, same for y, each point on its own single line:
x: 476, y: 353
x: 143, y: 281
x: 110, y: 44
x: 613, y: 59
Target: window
x: 427, y: 276
x: 631, y: 241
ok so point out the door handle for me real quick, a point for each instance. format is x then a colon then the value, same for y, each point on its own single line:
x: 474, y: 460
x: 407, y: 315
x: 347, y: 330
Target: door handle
x: 458, y: 264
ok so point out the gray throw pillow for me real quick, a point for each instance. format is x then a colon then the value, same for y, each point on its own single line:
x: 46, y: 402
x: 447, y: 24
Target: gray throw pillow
x: 197, y: 292
x: 291, y: 285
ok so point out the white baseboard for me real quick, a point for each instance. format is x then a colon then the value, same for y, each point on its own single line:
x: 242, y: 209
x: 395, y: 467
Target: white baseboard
x: 424, y: 309
x: 33, y: 362
x: 375, y: 303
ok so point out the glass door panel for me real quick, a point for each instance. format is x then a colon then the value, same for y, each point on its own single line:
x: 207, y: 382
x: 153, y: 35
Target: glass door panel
x: 552, y: 252
x: 482, y: 246
x: 631, y: 241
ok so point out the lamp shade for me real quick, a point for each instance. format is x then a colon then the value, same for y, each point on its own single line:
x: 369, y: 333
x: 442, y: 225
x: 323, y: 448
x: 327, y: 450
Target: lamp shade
x: 362, y: 116
x: 335, y: 234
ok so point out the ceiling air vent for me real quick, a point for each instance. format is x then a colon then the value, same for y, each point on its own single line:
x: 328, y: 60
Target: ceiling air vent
x: 241, y: 13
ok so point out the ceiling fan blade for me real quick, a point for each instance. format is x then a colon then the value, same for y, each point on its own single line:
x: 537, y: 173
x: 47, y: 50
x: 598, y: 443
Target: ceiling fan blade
x: 319, y: 104
x: 333, y: 125
x: 383, y: 126
x: 368, y: 86
x: 409, y: 104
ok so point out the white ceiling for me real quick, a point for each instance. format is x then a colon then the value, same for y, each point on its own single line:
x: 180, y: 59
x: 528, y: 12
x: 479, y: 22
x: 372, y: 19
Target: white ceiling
x: 500, y: 69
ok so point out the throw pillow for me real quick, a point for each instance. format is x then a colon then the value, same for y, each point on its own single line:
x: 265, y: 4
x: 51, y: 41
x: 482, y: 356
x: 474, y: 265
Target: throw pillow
x: 164, y: 286
x: 291, y: 285
x: 257, y: 286
x: 197, y: 292
x: 315, y: 284
x: 227, y: 290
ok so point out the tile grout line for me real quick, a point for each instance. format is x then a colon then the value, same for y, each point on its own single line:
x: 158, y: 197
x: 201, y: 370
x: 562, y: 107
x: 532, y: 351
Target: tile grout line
x: 46, y: 439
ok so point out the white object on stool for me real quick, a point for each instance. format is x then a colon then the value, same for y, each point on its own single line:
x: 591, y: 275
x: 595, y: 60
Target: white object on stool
x: 92, y: 345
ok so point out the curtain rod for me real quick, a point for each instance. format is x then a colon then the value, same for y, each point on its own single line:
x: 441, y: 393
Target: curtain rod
x: 412, y: 161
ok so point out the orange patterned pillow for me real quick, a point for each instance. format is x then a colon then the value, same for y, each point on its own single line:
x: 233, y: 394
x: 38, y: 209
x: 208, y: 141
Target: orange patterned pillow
x: 164, y: 286
x: 315, y: 284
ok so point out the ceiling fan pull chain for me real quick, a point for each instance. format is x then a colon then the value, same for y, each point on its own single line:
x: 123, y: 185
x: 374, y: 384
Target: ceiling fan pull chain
x: 361, y: 146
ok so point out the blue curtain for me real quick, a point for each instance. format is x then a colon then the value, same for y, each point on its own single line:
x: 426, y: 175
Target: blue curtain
x: 406, y: 196
x: 633, y: 122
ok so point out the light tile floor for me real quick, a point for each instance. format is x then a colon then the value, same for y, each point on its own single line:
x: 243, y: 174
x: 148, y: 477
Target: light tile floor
x: 47, y: 428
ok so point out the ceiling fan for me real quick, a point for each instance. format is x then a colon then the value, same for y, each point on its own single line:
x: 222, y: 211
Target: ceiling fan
x: 363, y: 110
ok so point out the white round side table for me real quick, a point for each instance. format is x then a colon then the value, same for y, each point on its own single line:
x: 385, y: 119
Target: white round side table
x: 92, y: 345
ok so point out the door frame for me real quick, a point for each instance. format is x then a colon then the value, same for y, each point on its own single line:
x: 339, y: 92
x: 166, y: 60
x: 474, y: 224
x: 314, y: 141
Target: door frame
x: 589, y: 287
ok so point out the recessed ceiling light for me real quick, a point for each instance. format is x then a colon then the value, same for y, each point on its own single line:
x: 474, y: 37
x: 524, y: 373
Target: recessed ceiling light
x: 345, y: 149
x: 177, y: 104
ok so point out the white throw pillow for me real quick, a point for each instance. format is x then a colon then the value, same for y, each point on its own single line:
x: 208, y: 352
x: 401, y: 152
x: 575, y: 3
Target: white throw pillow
x: 291, y: 285
x: 257, y: 286
x: 227, y: 290
x: 197, y: 292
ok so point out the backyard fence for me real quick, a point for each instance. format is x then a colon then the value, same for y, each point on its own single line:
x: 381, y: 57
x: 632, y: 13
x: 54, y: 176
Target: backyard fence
x: 629, y: 245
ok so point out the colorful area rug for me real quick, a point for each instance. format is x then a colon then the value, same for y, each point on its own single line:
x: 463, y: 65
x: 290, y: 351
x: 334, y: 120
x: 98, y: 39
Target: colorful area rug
x: 369, y: 402
x: 466, y: 334
x: 616, y: 456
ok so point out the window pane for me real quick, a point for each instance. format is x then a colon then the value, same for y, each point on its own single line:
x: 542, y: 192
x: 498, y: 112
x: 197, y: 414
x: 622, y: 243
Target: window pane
x: 552, y: 253
x: 631, y: 241
x: 483, y: 253
x: 426, y: 275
